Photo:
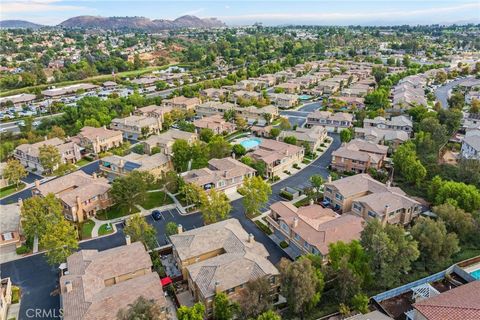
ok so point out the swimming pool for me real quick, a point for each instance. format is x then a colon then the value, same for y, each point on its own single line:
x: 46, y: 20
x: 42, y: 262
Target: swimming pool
x: 476, y: 274
x: 250, y: 143
x: 305, y: 97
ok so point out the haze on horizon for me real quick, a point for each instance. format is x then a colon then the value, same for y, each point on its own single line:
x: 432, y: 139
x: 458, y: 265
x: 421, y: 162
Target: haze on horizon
x: 268, y: 12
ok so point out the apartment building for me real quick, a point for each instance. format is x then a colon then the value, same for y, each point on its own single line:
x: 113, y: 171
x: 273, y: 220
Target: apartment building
x: 333, y: 122
x: 289, y: 87
x: 221, y: 257
x: 358, y: 156
x: 96, y: 140
x: 391, y: 132
x: 96, y: 284
x: 277, y: 156
x: 253, y: 114
x: 313, y: 136
x: 284, y: 100
x: 182, y: 103
x: 134, y: 127
x: 311, y: 229
x: 223, y: 174
x: 82, y: 195
x: 153, y: 111
x: 117, y: 166
x: 216, y: 123
x: 214, y: 93
x: 370, y: 199
x: 397, y: 123
x: 165, y: 140
x: 471, y: 145
x: 211, y: 108
x: 29, y: 154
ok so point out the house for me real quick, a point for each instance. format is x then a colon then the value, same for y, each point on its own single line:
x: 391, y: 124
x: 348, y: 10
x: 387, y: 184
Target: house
x: 248, y: 95
x: 289, y: 87
x: 368, y: 198
x: 98, y: 284
x: 5, y: 297
x: 221, y: 257
x: 82, y: 195
x: 283, y: 100
x: 214, y: 93
x: 328, y: 86
x: 256, y: 115
x: 261, y: 131
x: 115, y: 166
x: 182, y: 103
x: 153, y: 111
x: 333, y: 122
x: 165, y: 140
x: 358, y: 156
x: 277, y: 156
x: 313, y: 136
x: 98, y: 140
x: 211, y: 108
x: 406, y: 95
x: 29, y: 154
x: 223, y: 174
x: 471, y: 145
x: 373, y: 315
x: 134, y: 127
x: 348, y: 102
x: 10, y: 236
x: 393, y: 132
x: 312, y: 228
x: 462, y: 302
x: 216, y: 123
x: 400, y: 123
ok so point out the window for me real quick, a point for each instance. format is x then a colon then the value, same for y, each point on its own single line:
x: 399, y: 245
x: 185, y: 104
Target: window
x: 328, y: 189
x: 284, y: 226
x: 306, y: 245
x: 338, y: 196
x: 296, y: 237
x: 231, y: 290
x: 357, y: 207
x: 372, y: 214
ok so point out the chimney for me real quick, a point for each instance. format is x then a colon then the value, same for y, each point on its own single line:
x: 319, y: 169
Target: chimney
x: 311, y: 202
x: 251, y: 238
x: 94, y: 175
x: 329, y: 178
x: 295, y: 222
x: 128, y: 241
x: 37, y: 183
x: 68, y: 286
x: 179, y: 229
x: 121, y: 163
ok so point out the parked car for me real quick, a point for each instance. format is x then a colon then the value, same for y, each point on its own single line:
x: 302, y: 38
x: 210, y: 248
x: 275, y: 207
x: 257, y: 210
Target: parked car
x: 156, y: 215
x: 325, y: 203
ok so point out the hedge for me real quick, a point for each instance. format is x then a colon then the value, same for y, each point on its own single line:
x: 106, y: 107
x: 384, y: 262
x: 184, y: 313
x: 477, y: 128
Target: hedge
x: 286, y: 195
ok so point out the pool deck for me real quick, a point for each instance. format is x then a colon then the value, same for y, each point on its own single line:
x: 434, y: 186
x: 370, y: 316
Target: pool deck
x: 472, y: 268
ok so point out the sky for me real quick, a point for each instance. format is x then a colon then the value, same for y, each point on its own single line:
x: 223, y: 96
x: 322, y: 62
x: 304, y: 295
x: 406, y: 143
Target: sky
x: 244, y: 12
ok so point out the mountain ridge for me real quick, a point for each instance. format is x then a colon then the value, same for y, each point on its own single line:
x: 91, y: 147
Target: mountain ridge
x: 19, y: 24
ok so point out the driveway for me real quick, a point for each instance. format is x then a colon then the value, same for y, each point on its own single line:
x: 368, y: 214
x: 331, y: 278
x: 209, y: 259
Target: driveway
x: 37, y: 279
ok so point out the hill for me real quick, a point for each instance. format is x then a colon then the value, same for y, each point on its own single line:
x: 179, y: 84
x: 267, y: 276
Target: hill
x: 18, y: 24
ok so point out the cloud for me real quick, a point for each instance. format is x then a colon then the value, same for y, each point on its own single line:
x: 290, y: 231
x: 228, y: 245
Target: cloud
x: 25, y: 6
x: 344, y: 15
x: 195, y: 12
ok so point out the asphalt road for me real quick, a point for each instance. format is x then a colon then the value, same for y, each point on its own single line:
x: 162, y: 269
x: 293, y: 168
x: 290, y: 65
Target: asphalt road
x: 299, y: 117
x: 38, y: 280
x: 442, y: 92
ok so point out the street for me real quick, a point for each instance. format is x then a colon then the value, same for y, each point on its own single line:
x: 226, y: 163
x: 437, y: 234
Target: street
x: 442, y: 93
x: 37, y: 279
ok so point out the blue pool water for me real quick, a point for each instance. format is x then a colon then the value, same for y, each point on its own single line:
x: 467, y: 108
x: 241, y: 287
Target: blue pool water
x: 250, y: 143
x: 304, y: 97
x: 476, y: 274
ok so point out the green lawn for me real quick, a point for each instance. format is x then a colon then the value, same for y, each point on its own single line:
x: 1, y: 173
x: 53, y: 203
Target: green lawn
x: 8, y: 190
x: 115, y: 212
x: 87, y: 228
x: 156, y: 199
x: 82, y: 162
x: 103, y: 229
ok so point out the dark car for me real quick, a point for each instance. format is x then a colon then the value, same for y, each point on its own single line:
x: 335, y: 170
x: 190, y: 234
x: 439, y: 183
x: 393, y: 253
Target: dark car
x: 325, y: 203
x: 156, y: 215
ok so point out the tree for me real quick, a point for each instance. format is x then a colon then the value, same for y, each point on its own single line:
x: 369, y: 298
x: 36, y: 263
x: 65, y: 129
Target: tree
x: 406, y: 162
x: 290, y: 140
x: 435, y: 243
x: 215, y: 206
x: 37, y: 213
x: 219, y: 148
x: 456, y: 101
x: 275, y: 132
x: 132, y: 189
x: 440, y: 77
x: 269, y: 315
x: 59, y: 240
x: 196, y: 312
x: 193, y: 193
x: 199, y: 155
x: 240, y: 122
x: 239, y: 150
x: 255, y: 193
x: 353, y: 256
x: 223, y: 309
x: 285, y: 124
x: 360, y: 303
x: 139, y: 230
x: 456, y: 220
x: 464, y: 196
x: 255, y: 298
x: 379, y: 73
x: 206, y: 134
x: 302, y: 285
x: 267, y: 117
x: 181, y: 155
x: 317, y: 182
x: 475, y: 106
x: 345, y: 135
x: 389, y: 250
x: 56, y: 132
x: 50, y: 157
x: 141, y: 308
x: 171, y: 228
x: 14, y: 171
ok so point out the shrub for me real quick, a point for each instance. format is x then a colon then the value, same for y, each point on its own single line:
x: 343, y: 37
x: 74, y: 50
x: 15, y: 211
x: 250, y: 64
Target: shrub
x: 263, y: 227
x: 88, y: 158
x: 306, y: 161
x: 15, y: 294
x: 296, y: 166
x: 283, y: 244
x: 22, y: 250
x: 286, y: 195
x: 287, y: 172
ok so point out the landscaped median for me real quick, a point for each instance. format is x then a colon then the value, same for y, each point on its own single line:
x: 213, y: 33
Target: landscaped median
x: 11, y: 189
x: 115, y: 212
x: 156, y: 199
